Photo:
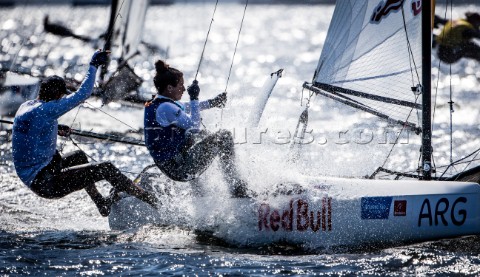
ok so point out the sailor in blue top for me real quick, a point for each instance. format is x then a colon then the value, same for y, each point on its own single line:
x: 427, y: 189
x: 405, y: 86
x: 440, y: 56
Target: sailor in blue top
x: 170, y: 127
x: 38, y: 163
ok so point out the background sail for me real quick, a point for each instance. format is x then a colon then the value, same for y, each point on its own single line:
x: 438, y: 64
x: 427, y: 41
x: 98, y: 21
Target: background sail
x: 124, y: 35
x: 372, y: 58
x: 128, y: 27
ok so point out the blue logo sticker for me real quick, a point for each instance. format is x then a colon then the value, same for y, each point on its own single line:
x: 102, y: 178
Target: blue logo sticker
x: 376, y: 207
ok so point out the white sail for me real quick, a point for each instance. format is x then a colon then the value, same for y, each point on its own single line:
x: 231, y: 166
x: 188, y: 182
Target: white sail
x: 372, y: 57
x: 123, y: 38
x: 128, y: 26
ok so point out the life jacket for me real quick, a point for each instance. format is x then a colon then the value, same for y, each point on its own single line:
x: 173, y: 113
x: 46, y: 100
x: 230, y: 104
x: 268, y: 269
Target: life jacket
x: 452, y: 34
x: 163, y: 143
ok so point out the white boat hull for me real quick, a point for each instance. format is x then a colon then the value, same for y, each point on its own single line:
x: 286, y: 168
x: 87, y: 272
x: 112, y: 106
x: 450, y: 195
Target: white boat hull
x: 328, y: 212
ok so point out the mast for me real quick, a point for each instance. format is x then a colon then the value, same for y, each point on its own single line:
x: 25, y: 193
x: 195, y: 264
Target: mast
x: 108, y: 35
x: 427, y: 86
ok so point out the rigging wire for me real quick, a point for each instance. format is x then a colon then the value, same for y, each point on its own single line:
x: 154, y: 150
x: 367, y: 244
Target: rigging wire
x: 107, y: 40
x: 450, y: 85
x: 62, y: 145
x: 451, y: 92
x: 236, y: 44
x: 436, y: 91
x: 412, y: 70
x: 457, y: 161
x: 234, y: 53
x: 449, y: 3
x: 124, y: 123
x: 206, y: 40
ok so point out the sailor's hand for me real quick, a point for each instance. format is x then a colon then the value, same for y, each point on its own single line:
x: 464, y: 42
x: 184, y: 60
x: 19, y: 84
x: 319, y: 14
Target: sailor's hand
x: 99, y: 58
x: 219, y: 101
x: 193, y: 90
x: 64, y: 130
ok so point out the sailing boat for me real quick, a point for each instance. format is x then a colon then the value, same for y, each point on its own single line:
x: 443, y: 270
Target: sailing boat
x: 15, y: 89
x: 123, y: 38
x: 324, y: 212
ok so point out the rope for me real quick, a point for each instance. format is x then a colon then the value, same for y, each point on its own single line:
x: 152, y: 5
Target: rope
x: 71, y: 125
x: 206, y: 39
x: 233, y: 58
x: 98, y: 109
x: 236, y: 44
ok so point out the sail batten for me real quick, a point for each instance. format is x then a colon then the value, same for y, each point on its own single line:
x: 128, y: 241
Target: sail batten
x: 372, y: 53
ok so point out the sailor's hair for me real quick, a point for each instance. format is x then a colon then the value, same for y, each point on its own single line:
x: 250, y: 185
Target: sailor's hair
x: 165, y: 75
x: 52, y: 88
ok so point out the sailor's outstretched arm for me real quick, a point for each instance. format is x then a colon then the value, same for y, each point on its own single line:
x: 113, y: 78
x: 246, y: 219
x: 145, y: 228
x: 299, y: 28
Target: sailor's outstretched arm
x: 57, y: 108
x: 169, y: 113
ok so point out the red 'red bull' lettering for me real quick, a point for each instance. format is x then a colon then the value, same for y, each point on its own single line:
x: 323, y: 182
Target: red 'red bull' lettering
x: 299, y: 212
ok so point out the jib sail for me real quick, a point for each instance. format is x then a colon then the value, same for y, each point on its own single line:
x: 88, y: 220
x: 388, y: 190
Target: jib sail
x: 371, y: 59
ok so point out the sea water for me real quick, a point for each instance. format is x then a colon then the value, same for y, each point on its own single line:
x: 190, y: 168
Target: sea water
x: 69, y: 237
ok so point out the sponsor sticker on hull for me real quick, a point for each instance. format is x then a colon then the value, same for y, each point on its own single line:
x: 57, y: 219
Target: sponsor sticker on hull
x: 375, y: 207
x: 299, y: 216
x: 400, y: 208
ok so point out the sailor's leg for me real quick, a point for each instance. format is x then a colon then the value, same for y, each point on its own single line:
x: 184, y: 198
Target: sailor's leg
x: 201, y: 155
x: 74, y: 158
x: 78, y: 158
x: 68, y: 181
x: 114, y: 176
x: 83, y: 176
x: 238, y: 187
x: 218, y: 144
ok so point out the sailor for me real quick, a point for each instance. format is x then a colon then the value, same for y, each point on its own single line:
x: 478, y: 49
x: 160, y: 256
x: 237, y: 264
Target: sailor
x: 171, y: 128
x: 37, y: 162
x: 455, y: 39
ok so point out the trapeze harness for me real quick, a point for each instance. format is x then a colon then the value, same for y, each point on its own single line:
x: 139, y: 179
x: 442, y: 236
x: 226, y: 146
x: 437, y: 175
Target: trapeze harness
x: 163, y: 143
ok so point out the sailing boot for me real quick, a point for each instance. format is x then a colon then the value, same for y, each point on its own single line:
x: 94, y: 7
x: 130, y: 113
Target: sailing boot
x: 103, y: 203
x: 239, y: 190
x: 122, y: 183
x: 104, y: 206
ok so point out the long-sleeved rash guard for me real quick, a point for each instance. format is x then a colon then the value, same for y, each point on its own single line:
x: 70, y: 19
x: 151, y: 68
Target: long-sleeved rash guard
x: 35, y: 129
x: 178, y: 114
